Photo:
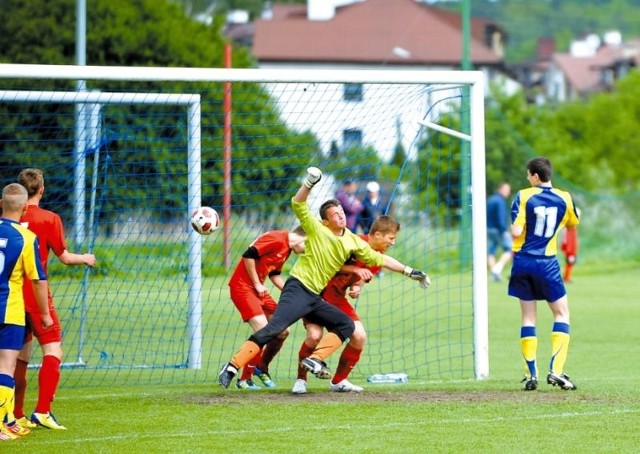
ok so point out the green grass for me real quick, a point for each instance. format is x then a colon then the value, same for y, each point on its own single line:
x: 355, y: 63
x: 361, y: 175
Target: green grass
x: 423, y: 416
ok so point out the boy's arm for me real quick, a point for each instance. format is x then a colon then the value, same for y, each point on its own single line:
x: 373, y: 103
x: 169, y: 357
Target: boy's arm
x: 69, y: 258
x: 41, y: 289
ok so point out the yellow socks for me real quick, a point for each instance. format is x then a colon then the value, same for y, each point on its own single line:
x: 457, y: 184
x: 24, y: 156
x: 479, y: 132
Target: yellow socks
x: 559, y: 347
x: 529, y: 347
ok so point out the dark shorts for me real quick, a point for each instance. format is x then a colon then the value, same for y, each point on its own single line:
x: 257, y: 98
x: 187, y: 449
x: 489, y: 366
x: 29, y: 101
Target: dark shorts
x: 296, y: 301
x: 534, y: 278
x: 11, y: 336
x: 496, y: 239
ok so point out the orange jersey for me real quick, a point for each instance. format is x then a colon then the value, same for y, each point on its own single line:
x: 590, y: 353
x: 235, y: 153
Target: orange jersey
x: 273, y: 251
x: 570, y: 242
x: 48, y: 227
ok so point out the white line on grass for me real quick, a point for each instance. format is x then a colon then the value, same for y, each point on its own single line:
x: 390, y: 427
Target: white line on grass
x: 333, y: 427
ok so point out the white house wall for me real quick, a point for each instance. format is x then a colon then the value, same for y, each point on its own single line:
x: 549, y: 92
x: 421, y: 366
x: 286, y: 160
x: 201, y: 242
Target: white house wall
x: 321, y: 109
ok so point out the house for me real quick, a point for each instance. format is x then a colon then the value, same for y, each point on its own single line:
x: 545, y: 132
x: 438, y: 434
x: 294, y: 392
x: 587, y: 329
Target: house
x: 369, y: 34
x: 592, y: 65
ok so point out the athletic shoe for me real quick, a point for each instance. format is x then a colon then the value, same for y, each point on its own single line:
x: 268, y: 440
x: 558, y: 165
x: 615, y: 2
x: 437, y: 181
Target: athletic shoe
x: 317, y: 368
x: 24, y: 422
x: 562, y: 380
x: 299, y: 387
x: 247, y: 385
x: 264, y: 377
x: 16, y: 429
x: 47, y: 420
x: 345, y: 386
x: 5, y: 434
x: 226, y: 374
x: 530, y: 383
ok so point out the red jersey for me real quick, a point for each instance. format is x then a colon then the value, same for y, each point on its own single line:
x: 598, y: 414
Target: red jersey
x: 339, y: 284
x: 570, y: 242
x: 273, y: 251
x: 47, y: 225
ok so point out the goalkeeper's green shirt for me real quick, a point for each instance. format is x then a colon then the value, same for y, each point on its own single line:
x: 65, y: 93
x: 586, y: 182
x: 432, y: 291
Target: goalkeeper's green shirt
x: 325, y: 253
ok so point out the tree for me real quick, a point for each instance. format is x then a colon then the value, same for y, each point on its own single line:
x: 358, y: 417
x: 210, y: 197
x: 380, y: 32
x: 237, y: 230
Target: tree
x: 146, y: 33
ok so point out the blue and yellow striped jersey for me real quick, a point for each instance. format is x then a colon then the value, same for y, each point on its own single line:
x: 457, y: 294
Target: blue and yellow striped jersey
x: 542, y: 211
x: 18, y: 261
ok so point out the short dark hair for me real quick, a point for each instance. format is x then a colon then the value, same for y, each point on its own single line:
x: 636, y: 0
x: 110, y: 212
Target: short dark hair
x: 541, y: 166
x: 326, y: 205
x: 384, y: 224
x: 32, y: 180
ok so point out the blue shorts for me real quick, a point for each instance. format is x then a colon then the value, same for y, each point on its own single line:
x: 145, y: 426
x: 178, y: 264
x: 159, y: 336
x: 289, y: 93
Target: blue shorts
x: 11, y: 336
x: 536, y: 278
x: 496, y: 238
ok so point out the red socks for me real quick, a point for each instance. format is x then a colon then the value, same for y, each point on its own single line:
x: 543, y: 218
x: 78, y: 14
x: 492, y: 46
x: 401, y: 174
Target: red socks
x: 48, y: 379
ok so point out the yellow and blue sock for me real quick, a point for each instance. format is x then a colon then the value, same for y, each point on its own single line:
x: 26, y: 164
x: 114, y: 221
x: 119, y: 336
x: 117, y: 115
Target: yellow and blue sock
x: 560, y: 339
x: 6, y: 396
x: 529, y: 347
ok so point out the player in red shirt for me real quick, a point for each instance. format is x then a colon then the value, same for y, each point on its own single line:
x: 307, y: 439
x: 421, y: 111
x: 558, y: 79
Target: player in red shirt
x: 48, y: 227
x: 569, y: 247
x: 264, y: 258
x: 349, y: 280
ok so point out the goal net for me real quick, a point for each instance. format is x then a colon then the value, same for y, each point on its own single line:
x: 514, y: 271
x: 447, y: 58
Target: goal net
x: 127, y: 159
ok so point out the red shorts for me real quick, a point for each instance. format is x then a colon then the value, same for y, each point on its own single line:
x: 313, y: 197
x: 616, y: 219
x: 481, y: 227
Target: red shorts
x: 249, y: 304
x: 34, y: 327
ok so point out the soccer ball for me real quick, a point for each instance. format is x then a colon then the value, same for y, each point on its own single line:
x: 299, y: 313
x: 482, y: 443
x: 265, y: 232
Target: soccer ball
x: 205, y: 220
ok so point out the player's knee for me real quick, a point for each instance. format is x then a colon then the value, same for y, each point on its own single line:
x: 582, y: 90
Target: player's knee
x: 314, y: 334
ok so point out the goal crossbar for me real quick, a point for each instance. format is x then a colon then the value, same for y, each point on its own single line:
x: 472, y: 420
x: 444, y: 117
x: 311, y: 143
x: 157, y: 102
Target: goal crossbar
x: 473, y: 79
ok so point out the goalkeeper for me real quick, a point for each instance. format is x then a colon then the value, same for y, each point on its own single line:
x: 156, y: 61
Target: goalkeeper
x: 329, y: 244
x: 349, y: 280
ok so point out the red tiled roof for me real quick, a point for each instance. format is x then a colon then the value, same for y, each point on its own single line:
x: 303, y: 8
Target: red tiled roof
x: 584, y: 73
x: 368, y: 32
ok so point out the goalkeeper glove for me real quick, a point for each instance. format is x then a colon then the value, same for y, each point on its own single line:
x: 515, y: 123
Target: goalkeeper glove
x: 313, y: 176
x: 417, y: 275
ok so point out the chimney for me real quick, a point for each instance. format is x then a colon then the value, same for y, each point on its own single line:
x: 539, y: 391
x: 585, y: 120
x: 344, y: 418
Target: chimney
x: 326, y: 9
x: 320, y: 9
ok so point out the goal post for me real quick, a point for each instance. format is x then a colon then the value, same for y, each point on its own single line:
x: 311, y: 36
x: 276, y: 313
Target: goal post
x: 159, y: 299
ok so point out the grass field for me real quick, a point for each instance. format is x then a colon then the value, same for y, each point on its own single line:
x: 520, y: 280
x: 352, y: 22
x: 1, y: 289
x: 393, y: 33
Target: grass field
x: 453, y: 416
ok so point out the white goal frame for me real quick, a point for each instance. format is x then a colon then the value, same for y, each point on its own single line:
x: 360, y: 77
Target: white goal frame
x: 473, y: 79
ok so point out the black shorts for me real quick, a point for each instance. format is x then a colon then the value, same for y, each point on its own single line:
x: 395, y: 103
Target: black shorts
x: 296, y: 301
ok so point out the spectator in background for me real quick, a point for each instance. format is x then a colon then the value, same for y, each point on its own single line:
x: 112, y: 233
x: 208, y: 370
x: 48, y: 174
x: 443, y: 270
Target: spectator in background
x: 373, y: 207
x: 351, y: 204
x: 498, y: 234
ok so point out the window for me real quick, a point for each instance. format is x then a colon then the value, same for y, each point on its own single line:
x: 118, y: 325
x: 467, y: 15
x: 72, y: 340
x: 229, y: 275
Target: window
x: 352, y: 92
x: 351, y: 138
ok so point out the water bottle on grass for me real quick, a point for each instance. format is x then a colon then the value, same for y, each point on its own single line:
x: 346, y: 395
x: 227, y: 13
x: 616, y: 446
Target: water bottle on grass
x: 389, y: 378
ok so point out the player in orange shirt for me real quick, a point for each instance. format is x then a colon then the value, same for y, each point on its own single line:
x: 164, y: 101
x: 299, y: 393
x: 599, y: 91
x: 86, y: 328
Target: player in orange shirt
x: 47, y: 225
x: 569, y: 247
x: 349, y: 279
x: 264, y: 258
